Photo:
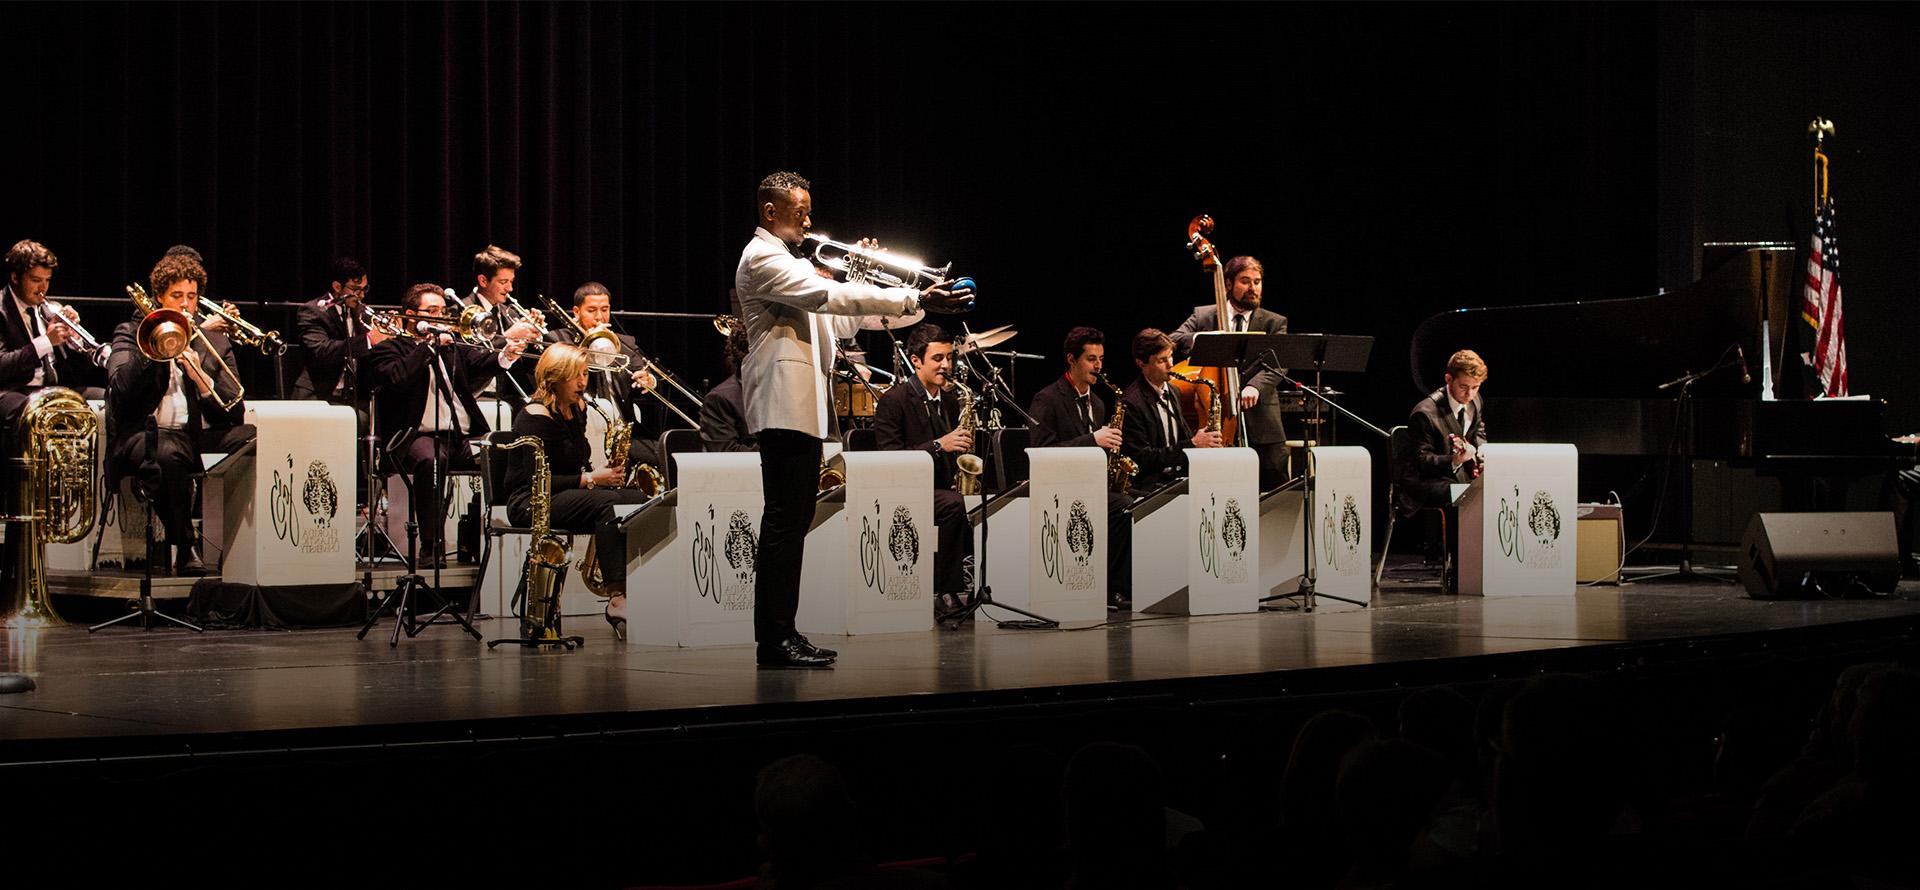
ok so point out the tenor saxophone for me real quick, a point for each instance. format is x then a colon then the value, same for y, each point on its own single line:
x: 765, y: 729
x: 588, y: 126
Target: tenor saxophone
x: 967, y: 466
x: 546, y: 565
x: 1120, y: 468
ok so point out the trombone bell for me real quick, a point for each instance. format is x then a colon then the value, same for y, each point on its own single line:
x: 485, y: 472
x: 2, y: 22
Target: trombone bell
x: 164, y: 334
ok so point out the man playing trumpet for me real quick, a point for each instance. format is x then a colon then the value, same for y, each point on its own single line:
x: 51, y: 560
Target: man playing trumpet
x: 36, y: 347
x: 427, y: 411
x: 164, y: 415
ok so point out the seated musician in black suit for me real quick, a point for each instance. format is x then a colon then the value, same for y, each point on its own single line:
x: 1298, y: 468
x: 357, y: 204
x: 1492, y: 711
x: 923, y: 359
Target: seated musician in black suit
x: 1446, y: 430
x: 582, y: 498
x: 592, y: 311
x: 723, y: 413
x: 1154, y: 433
x: 427, y: 409
x: 184, y: 398
x: 37, y: 347
x: 335, y: 335
x: 1073, y: 412
x: 920, y: 413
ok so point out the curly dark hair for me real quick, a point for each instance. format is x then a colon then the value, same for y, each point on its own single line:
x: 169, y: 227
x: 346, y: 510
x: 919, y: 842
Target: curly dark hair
x: 175, y: 268
x: 26, y: 254
x: 925, y: 334
x: 777, y: 187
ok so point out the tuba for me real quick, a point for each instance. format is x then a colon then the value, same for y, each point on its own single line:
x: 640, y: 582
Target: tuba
x: 546, y: 567
x: 967, y: 466
x: 55, y: 446
x: 1120, y: 468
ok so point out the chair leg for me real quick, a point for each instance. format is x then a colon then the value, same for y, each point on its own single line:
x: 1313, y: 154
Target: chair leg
x: 1386, y: 546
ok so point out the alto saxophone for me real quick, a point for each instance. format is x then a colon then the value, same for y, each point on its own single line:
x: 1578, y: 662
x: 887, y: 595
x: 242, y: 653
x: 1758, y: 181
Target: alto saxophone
x: 967, y: 466
x: 546, y: 565
x: 1120, y: 468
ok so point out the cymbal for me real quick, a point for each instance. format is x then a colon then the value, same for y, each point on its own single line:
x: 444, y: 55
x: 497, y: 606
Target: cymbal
x: 988, y: 339
x: 892, y: 322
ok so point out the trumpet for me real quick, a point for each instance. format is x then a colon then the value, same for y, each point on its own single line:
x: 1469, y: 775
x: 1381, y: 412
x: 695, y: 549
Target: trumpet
x: 378, y: 321
x: 268, y: 342
x: 51, y: 312
x: 877, y: 267
x: 166, y: 333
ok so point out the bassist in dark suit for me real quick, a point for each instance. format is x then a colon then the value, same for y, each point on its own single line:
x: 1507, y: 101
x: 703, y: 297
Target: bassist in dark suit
x: 1259, y: 387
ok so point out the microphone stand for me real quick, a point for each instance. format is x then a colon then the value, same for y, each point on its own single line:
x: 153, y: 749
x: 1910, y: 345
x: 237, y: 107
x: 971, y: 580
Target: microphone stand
x: 1683, y: 429
x: 149, y: 476
x: 1307, y: 593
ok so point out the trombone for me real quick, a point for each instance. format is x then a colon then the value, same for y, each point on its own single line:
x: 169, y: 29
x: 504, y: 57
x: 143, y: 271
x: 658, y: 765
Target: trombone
x: 166, y: 333
x: 602, y: 346
x: 268, y: 342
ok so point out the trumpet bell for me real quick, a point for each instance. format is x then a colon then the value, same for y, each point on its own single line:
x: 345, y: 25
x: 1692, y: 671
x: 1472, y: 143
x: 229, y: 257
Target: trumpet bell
x: 164, y: 334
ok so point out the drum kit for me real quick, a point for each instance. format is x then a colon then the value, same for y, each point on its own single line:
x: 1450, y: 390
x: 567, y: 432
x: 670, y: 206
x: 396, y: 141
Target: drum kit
x: 858, y: 385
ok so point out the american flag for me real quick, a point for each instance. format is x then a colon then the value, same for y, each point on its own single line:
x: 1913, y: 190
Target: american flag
x: 1821, y: 308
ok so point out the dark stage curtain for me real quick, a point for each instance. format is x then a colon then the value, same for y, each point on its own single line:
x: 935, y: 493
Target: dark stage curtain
x: 1386, y: 162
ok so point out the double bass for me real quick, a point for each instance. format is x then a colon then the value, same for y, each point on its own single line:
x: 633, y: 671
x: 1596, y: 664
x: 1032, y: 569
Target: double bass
x: 1196, y: 399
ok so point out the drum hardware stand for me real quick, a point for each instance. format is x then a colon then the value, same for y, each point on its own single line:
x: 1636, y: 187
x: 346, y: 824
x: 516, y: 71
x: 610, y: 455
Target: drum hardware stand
x: 400, y: 598
x: 143, y: 608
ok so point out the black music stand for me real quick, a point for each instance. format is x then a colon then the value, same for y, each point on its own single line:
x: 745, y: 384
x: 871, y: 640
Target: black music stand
x: 1322, y: 353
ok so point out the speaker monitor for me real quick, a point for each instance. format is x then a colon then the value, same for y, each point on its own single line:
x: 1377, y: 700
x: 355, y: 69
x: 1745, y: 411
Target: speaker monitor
x: 1818, y: 554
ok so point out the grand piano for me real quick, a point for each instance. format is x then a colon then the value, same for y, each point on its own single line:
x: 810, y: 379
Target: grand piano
x: 1590, y: 373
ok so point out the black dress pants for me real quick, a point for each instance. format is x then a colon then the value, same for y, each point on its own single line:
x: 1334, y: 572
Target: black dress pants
x: 582, y: 511
x: 417, y: 461
x: 177, y: 453
x: 956, y: 541
x: 1119, y: 546
x: 789, y: 481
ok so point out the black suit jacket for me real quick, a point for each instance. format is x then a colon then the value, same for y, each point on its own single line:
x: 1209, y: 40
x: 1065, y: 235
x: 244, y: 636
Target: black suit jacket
x: 902, y: 421
x: 402, y: 386
x: 1141, y: 436
x: 136, y: 385
x: 18, y: 360
x: 723, y: 418
x: 1263, y: 419
x: 1423, y: 474
x: 321, y: 331
x: 1057, y: 421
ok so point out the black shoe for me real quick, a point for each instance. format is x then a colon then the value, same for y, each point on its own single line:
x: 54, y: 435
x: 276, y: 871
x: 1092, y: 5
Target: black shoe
x: 791, y: 652
x: 817, y: 650
x: 947, y: 605
x: 189, y: 563
x: 1119, y: 603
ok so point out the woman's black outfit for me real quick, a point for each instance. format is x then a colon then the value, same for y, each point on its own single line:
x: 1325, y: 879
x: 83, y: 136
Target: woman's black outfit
x: 575, y: 509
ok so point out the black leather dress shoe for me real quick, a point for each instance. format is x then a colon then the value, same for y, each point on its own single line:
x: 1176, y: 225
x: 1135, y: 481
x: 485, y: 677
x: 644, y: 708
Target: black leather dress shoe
x: 817, y: 650
x: 1118, y: 603
x: 791, y: 653
x: 189, y: 564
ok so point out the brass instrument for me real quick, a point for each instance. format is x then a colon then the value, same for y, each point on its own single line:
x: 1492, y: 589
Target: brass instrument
x: 49, y: 312
x: 877, y: 267
x: 602, y: 345
x: 1120, y: 468
x: 546, y: 566
x: 659, y: 373
x: 1213, y: 409
x: 166, y: 333
x: 384, y: 322
x: 831, y: 476
x: 52, y: 493
x: 268, y: 342
x: 725, y: 324
x: 967, y: 466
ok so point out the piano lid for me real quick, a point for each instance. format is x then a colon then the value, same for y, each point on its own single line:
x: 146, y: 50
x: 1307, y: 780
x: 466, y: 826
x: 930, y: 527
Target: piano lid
x: 1621, y: 348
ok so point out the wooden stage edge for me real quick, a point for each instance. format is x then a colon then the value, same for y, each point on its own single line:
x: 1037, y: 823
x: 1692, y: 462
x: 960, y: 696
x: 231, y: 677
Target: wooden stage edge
x: 166, y: 692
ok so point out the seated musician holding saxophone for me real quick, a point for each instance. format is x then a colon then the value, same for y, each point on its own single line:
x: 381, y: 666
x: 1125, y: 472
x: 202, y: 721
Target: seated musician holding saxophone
x: 166, y: 414
x: 582, y: 498
x: 588, y: 326
x: 923, y: 414
x: 1153, y: 433
x: 425, y: 384
x: 1070, y: 412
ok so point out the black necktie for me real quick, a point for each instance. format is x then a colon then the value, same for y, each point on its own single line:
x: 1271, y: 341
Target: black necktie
x: 48, y: 377
x: 1239, y: 324
x: 1086, y: 410
x: 1166, y: 417
x: 1460, y: 417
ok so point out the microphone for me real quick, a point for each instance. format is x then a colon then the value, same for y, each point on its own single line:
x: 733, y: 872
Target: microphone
x: 1744, y: 376
x: 451, y: 296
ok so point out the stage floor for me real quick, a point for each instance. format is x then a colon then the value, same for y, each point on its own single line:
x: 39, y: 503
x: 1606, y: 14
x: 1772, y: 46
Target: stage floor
x: 170, y: 691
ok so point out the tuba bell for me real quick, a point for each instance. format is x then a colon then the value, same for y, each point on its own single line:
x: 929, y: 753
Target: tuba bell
x: 52, y: 496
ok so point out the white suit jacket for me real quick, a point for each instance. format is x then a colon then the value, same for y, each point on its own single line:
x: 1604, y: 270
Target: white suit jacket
x: 792, y: 316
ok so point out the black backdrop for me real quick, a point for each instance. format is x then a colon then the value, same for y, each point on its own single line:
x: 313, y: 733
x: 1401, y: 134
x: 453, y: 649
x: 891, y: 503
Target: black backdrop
x: 1387, y: 162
